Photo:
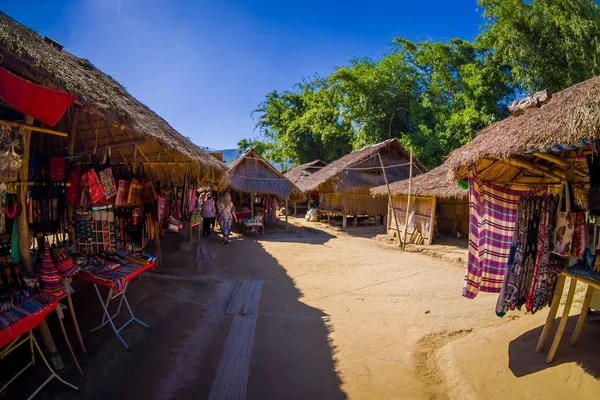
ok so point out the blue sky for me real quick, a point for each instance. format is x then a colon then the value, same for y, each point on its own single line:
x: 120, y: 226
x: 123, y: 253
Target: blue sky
x: 205, y: 65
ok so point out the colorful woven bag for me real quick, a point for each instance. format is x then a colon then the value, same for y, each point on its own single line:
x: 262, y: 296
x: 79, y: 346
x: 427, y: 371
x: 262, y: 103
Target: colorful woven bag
x: 108, y: 183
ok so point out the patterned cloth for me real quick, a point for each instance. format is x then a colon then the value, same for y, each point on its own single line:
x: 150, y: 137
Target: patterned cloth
x: 225, y: 218
x: 493, y: 211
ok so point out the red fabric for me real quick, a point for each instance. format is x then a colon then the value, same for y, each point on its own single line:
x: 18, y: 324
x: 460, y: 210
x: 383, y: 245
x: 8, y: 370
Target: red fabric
x: 44, y: 104
x: 73, y: 190
x: 25, y: 325
x: 57, y: 169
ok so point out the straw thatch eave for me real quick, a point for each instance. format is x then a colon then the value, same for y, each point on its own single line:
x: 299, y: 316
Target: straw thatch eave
x: 111, y: 117
x: 434, y: 183
x: 251, y: 173
x: 570, y: 118
x: 305, y: 170
x: 367, y: 157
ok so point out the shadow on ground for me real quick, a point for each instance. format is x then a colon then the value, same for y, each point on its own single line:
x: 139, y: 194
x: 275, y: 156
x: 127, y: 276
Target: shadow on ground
x: 184, y: 303
x: 523, y: 359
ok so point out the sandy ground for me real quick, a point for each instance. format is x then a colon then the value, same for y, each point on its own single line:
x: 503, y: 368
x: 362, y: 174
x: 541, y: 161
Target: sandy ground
x: 341, y: 316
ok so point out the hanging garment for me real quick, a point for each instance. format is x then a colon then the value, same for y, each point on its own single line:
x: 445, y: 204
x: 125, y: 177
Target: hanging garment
x: 3, y: 191
x: 57, y: 169
x: 95, y: 189
x: 580, y: 235
x: 565, y: 226
x: 73, y: 189
x: 543, y: 252
x: 493, y: 211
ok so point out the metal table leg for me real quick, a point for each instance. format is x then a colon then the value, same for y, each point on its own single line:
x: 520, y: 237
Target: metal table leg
x: 108, y: 319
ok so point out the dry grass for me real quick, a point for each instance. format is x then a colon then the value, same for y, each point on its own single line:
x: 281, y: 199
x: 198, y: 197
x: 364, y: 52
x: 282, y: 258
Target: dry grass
x: 570, y: 117
x: 251, y: 173
x: 436, y: 182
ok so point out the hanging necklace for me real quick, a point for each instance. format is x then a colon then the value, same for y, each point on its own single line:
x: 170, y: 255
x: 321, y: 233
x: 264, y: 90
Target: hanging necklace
x: 14, y: 212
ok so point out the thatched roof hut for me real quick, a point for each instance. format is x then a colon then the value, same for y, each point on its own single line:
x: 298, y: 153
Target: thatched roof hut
x: 251, y: 173
x: 305, y: 170
x: 434, y: 183
x: 359, y: 169
x: 105, y: 115
x: 344, y: 184
x: 519, y: 148
x: 436, y: 200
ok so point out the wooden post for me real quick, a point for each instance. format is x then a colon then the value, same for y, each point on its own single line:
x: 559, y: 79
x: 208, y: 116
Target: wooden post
x: 560, y: 284
x: 432, y: 223
x: 157, y: 250
x: 296, y: 209
x: 584, y: 310
x: 408, y: 200
x: 70, y: 152
x: 22, y: 225
x: 251, y: 205
x: 563, y: 321
x: 390, y: 200
x: 286, y: 214
x: 44, y: 333
x: 344, y: 218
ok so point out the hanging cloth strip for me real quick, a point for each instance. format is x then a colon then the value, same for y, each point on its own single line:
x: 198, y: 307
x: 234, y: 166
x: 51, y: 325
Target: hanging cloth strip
x: 493, y: 211
x: 44, y: 104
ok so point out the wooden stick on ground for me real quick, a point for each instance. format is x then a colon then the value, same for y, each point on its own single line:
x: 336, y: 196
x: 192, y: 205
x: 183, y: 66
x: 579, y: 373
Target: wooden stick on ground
x: 62, y: 327
x: 75, y: 323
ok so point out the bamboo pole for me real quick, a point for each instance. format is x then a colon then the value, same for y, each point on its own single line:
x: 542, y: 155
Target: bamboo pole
x: 35, y: 128
x: 390, y: 200
x: 157, y: 249
x: 560, y: 284
x: 408, y: 200
x: 432, y: 223
x: 22, y: 225
x: 584, y: 310
x: 561, y: 162
x: 563, y: 321
x: 287, y: 211
x: 64, y: 331
x: 75, y: 323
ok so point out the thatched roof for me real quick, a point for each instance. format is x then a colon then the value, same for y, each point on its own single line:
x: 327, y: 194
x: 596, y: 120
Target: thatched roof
x: 303, y: 171
x: 569, y: 119
x: 111, y: 112
x: 347, y: 170
x: 436, y: 182
x: 251, y: 173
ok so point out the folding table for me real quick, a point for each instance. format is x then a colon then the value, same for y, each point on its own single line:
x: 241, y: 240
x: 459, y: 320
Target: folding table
x: 12, y: 337
x: 117, y: 289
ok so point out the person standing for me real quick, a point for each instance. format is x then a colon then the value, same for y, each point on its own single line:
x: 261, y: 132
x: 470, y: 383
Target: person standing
x: 226, y: 216
x: 208, y: 214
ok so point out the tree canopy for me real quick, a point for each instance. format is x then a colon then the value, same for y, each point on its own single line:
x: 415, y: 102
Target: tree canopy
x: 433, y: 96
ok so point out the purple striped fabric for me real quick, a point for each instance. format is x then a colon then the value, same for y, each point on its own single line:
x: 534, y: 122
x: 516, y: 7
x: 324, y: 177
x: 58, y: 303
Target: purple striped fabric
x: 493, y: 212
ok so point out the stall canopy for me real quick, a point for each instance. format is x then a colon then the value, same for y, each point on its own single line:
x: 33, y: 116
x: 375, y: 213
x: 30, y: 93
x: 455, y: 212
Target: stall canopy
x: 251, y: 173
x: 304, y: 171
x: 540, y: 144
x: 104, y: 114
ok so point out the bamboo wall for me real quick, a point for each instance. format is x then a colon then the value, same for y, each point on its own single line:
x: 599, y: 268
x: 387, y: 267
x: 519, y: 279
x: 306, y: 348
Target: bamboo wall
x: 352, y: 204
x: 447, y: 214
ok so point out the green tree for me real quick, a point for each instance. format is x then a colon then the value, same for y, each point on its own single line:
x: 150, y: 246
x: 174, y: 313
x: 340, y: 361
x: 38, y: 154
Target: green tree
x: 549, y: 44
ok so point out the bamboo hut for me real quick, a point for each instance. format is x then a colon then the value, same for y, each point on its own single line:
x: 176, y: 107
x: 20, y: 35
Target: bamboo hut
x: 104, y: 116
x: 437, y: 204
x: 301, y: 172
x: 344, y: 184
x: 257, y: 185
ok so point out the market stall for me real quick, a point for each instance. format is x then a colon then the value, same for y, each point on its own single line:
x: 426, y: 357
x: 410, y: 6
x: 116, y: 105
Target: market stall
x: 533, y: 181
x: 89, y: 178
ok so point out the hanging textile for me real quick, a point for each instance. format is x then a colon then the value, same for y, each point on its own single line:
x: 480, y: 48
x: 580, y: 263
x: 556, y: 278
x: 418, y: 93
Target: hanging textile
x: 44, y: 104
x: 593, y: 161
x: 493, y: 211
x: 3, y: 191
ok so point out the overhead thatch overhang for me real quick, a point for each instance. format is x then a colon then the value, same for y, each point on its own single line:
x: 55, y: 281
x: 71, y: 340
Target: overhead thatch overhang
x: 104, y: 115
